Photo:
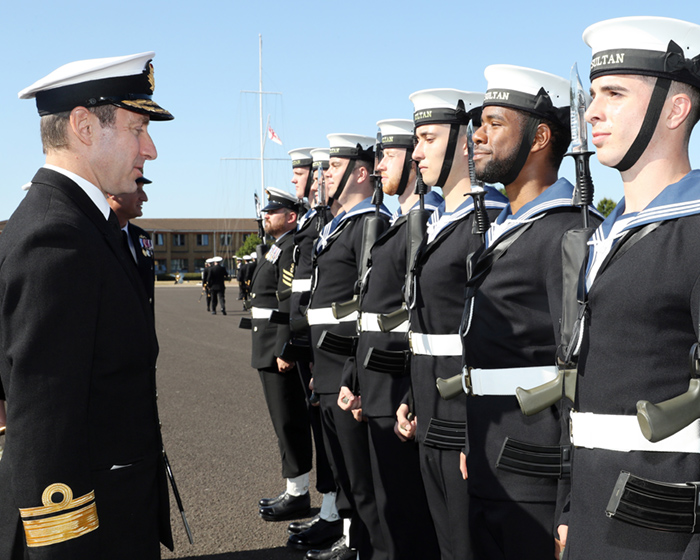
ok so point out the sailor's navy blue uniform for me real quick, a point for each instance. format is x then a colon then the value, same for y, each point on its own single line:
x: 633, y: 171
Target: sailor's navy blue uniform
x: 642, y: 320
x: 440, y: 277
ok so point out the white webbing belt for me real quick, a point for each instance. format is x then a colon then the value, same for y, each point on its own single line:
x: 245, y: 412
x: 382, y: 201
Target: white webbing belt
x: 261, y: 312
x: 301, y: 285
x: 369, y: 323
x: 618, y: 432
x: 435, y: 344
x: 504, y: 381
x: 324, y: 316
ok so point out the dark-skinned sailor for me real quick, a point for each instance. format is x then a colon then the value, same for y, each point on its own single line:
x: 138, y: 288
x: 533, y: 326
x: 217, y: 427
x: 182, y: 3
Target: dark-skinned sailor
x: 337, y: 267
x: 511, y: 321
x: 403, y: 508
x: 326, y: 527
x: 441, y: 117
x: 284, y: 394
x: 642, y: 289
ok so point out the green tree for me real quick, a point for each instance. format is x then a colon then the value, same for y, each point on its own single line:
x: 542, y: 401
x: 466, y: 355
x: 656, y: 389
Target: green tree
x: 605, y: 206
x: 249, y: 245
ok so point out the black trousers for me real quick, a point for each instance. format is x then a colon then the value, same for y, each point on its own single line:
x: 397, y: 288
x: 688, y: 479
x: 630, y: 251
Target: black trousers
x: 285, y: 400
x: 398, y: 488
x: 215, y: 296
x: 448, y: 499
x: 347, y: 443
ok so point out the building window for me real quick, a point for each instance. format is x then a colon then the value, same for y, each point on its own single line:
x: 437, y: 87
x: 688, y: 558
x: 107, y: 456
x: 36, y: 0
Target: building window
x: 198, y: 265
x: 178, y: 239
x: 202, y: 239
x: 178, y: 265
x: 225, y: 239
x: 160, y: 239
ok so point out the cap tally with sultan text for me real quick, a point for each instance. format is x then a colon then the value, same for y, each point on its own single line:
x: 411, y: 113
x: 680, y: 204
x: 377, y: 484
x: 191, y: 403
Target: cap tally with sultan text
x: 648, y: 46
x: 301, y: 157
x: 540, y: 93
x: 351, y: 146
x: 124, y: 81
x: 321, y: 157
x: 396, y: 133
x: 277, y: 198
x: 444, y: 106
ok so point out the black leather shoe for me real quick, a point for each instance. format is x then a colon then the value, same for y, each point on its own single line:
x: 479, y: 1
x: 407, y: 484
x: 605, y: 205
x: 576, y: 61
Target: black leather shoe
x: 296, y: 527
x: 265, y: 502
x: 223, y: 312
x: 339, y: 551
x: 289, y: 507
x: 321, y: 534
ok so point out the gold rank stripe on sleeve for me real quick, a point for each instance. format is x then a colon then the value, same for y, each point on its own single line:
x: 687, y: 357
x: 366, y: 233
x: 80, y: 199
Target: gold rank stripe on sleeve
x: 57, y: 522
x: 288, y: 276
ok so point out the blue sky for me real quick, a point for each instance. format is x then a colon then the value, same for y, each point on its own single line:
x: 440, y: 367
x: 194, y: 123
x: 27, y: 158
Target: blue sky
x: 339, y: 69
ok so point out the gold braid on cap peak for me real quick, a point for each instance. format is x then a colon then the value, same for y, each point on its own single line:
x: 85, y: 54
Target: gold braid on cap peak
x: 46, y: 524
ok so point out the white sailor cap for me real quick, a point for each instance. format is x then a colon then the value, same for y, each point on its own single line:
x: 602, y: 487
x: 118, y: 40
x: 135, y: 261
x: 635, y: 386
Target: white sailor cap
x: 217, y: 259
x: 644, y: 45
x: 396, y: 133
x: 277, y: 198
x: 253, y: 256
x: 540, y: 93
x: 301, y: 157
x: 321, y: 157
x: 351, y: 146
x: 124, y: 81
x: 246, y: 257
x: 444, y: 106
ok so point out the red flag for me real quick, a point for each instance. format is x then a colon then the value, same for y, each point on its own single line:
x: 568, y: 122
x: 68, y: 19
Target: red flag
x: 272, y: 135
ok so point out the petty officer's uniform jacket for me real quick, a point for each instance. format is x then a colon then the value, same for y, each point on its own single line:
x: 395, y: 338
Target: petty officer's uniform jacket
x: 440, y: 275
x: 512, y: 338
x: 641, y: 321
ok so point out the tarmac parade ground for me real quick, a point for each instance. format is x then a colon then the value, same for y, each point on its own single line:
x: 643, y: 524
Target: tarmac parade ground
x: 217, y: 431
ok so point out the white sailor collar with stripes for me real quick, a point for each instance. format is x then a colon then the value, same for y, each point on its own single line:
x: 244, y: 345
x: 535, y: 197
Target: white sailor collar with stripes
x: 430, y: 202
x: 363, y: 207
x: 440, y: 219
x: 558, y: 195
x: 306, y: 217
x: 675, y: 201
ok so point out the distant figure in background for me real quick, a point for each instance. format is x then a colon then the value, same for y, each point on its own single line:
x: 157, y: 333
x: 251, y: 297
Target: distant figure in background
x: 205, y: 286
x: 137, y: 243
x: 215, y: 277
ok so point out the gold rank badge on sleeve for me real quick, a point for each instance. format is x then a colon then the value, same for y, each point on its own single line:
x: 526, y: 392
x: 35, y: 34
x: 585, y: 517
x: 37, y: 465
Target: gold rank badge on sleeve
x: 57, y: 522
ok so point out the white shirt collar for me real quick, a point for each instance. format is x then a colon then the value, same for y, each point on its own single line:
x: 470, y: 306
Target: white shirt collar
x: 95, y: 194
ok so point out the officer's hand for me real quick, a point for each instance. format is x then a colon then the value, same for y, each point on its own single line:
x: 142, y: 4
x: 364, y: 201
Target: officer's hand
x: 404, y: 428
x: 357, y: 415
x: 346, y: 400
x: 559, y: 543
x: 463, y: 465
x: 284, y: 365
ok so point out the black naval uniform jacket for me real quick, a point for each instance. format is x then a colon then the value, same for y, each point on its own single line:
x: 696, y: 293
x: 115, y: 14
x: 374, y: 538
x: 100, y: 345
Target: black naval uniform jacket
x: 272, y: 275
x: 642, y: 321
x: 336, y: 272
x: 440, y: 276
x: 77, y: 359
x: 144, y: 259
x: 215, y: 277
x: 382, y: 393
x: 515, y: 323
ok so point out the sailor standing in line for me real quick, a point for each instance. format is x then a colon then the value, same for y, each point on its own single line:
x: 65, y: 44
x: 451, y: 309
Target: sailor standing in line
x: 283, y: 392
x: 511, y: 322
x: 338, y: 263
x: 441, y: 117
x: 642, y: 297
x: 326, y: 527
x: 402, y: 505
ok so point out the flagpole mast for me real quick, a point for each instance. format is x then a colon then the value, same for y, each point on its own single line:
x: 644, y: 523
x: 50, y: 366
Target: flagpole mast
x: 262, y: 135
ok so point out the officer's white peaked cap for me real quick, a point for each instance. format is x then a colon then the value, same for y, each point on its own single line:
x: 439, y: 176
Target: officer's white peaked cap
x: 277, y: 198
x: 641, y: 45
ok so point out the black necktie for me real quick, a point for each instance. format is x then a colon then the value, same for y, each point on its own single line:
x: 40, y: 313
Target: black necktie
x: 125, y: 242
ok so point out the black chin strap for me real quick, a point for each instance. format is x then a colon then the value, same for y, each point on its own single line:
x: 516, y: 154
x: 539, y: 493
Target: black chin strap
x: 528, y: 137
x: 449, y: 155
x: 309, y: 182
x: 348, y: 171
x: 651, y: 119
x: 405, y: 172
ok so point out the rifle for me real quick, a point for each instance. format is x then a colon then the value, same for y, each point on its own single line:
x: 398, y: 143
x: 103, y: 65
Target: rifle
x: 372, y: 229
x: 171, y: 478
x: 321, y: 199
x: 574, y: 251
x: 453, y: 386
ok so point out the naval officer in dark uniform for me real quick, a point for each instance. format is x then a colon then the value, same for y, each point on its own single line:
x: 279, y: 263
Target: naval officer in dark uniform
x: 441, y: 117
x: 338, y: 263
x: 398, y: 487
x: 307, y: 165
x: 511, y: 322
x: 284, y: 395
x: 82, y: 476
x: 642, y: 298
